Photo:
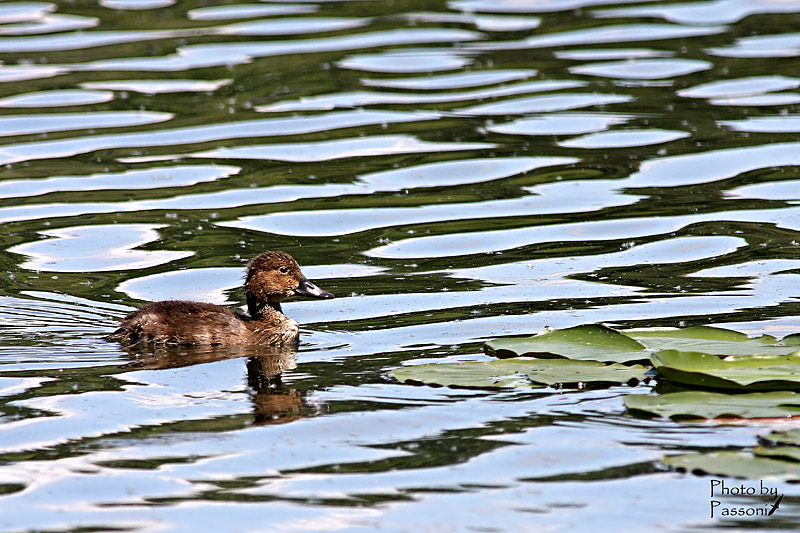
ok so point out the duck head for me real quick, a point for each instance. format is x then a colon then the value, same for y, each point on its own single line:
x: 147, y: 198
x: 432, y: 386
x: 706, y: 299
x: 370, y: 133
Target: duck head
x: 271, y: 278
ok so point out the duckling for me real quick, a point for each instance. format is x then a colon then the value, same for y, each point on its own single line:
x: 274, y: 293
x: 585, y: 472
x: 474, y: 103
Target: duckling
x: 271, y: 278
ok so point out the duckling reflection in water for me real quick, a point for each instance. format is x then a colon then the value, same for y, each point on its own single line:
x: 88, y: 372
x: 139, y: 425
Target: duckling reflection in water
x: 273, y: 401
x: 271, y: 278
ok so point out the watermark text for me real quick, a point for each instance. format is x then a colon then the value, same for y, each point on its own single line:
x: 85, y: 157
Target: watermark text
x: 719, y: 489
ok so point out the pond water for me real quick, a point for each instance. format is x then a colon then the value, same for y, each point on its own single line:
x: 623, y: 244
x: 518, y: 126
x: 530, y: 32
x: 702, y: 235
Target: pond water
x: 453, y: 172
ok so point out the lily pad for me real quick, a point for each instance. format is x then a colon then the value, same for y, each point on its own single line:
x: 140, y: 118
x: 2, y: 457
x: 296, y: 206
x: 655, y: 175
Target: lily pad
x: 791, y: 340
x: 519, y: 372
x: 735, y: 464
x: 789, y: 437
x: 708, y: 340
x: 706, y: 404
x: 786, y: 453
x: 739, y: 372
x: 595, y: 342
x: 588, y: 343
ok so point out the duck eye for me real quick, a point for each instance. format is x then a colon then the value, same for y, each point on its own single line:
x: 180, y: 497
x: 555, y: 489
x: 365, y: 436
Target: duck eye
x: 284, y: 269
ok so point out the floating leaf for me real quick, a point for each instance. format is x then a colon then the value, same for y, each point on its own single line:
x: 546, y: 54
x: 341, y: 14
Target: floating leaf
x: 735, y: 464
x: 787, y: 453
x: 740, y: 372
x: 705, y: 404
x: 708, y: 340
x: 791, y: 340
x: 595, y: 342
x: 520, y: 372
x: 588, y: 343
x: 692, y: 332
x: 789, y: 437
x: 699, y: 356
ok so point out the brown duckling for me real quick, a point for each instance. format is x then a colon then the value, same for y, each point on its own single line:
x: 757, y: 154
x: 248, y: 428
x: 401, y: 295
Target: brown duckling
x: 271, y: 278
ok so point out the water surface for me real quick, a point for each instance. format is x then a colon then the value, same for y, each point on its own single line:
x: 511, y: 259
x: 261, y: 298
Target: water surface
x: 453, y: 172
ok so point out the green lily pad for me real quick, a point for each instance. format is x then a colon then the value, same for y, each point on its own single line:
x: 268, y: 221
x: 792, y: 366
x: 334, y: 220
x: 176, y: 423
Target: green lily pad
x: 708, y: 340
x: 705, y: 404
x: 735, y: 464
x: 696, y: 356
x: 789, y: 437
x: 739, y: 372
x: 791, y: 340
x: 519, y: 372
x: 595, y: 342
x: 588, y: 343
x: 786, y: 453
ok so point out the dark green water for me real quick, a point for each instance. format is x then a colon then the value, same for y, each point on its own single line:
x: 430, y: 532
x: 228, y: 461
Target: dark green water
x: 453, y: 172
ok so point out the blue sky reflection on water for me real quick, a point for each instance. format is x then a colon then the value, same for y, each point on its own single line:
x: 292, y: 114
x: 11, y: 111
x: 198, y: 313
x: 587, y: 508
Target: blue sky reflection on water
x: 453, y: 172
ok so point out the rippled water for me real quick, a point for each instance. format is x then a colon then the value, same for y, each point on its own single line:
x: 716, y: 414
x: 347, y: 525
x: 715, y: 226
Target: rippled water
x: 453, y: 172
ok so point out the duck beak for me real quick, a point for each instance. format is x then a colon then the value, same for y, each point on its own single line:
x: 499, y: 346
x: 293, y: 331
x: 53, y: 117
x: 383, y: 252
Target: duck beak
x: 306, y: 288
